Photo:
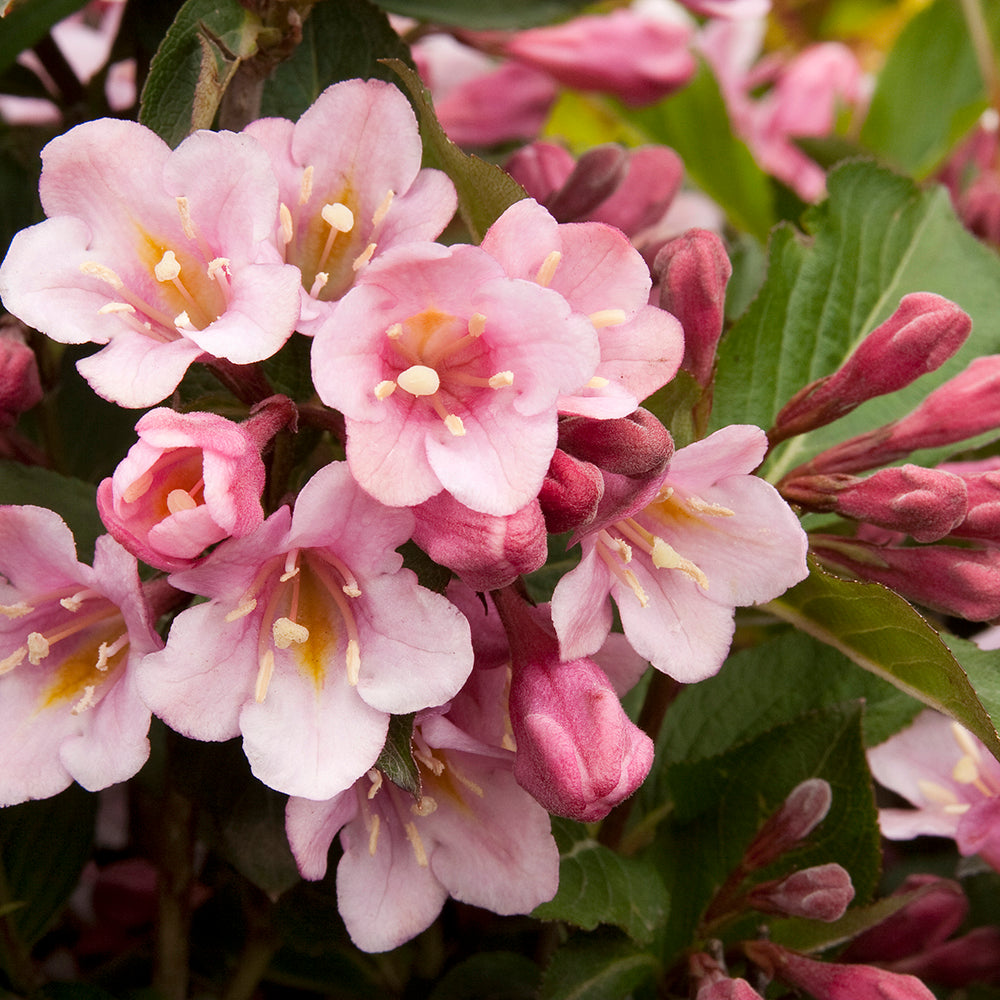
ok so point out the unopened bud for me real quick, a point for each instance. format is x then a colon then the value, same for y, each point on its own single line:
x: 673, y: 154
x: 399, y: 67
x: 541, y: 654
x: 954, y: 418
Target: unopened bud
x: 819, y: 893
x: 693, y: 271
x: 570, y: 493
x: 982, y: 519
x: 541, y: 168
x: 925, y: 504
x: 713, y: 983
x: 804, y: 809
x: 635, y: 445
x: 20, y: 387
x: 917, y: 338
x: 596, y: 176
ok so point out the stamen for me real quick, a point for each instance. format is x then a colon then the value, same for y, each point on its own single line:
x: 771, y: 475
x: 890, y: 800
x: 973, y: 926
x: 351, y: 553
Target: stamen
x: 168, y: 269
x: 375, y: 777
x: 285, y: 632
x: 364, y: 257
x: 418, y: 845
x: 18, y: 610
x: 468, y: 782
x: 383, y: 209
x: 219, y: 271
x: 965, y: 741
x: 419, y: 380
x: 38, y: 648
x: 626, y: 576
x: 353, y: 658
x: 138, y: 487
x: 597, y: 382
x: 184, y: 210
x: 501, y: 380
x: 965, y: 771
x: 958, y: 808
x: 373, y: 834
x: 665, y: 556
x: 264, y: 674
x: 338, y: 216
x: 109, y: 308
x: 88, y: 700
x: 242, y: 611
x: 178, y: 500
x: 384, y: 389
x: 548, y: 269
x: 454, y: 424
x: 319, y: 283
x: 291, y: 565
x: 182, y: 322
x: 287, y: 226
x: 477, y: 324
x: 94, y: 270
x: 8, y: 663
x: 105, y: 652
x: 306, y: 187
x: 935, y: 793
x: 608, y: 317
x: 395, y: 331
x: 711, y: 509
x: 424, y: 807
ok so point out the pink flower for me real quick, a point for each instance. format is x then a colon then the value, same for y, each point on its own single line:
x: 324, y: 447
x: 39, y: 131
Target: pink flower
x: 604, y: 278
x: 313, y: 635
x: 714, y: 538
x: 163, y: 256
x: 713, y: 983
x: 71, y: 639
x: 191, y: 480
x: 345, y: 202
x: 950, y: 777
x: 448, y: 374
x: 472, y: 833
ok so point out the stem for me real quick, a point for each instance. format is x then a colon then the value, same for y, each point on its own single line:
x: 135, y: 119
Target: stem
x: 56, y: 65
x: 659, y: 697
x: 247, y: 383
x: 980, y: 37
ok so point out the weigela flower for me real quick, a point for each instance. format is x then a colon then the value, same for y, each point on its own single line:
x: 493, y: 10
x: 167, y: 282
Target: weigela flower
x: 715, y: 537
x: 313, y: 635
x: 951, y: 778
x: 603, y: 277
x: 344, y: 202
x: 448, y: 372
x: 472, y: 833
x: 162, y: 255
x: 191, y: 480
x: 71, y: 638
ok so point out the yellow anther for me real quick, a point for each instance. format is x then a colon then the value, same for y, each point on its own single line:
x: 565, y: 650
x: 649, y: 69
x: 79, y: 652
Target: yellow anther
x: 383, y: 209
x: 184, y: 210
x: 665, y: 556
x: 88, y: 700
x: 109, y: 308
x: 935, y: 793
x: 18, y: 610
x: 965, y: 740
x: 424, y: 807
x: 319, y: 283
x: 138, y: 487
x: 178, y: 500
x: 413, y: 836
x: 353, y: 659
x: 965, y: 771
x: 501, y: 380
x: 454, y: 424
x: 264, y: 673
x: 373, y: 834
x: 168, y: 269
x: 711, y: 509
x: 218, y: 268
x: 285, y: 632
x: 419, y: 380
x: 597, y: 382
x: 8, y: 663
x: 182, y: 321
x: 608, y: 317
x: 287, y: 226
x: 75, y: 601
x: 242, y: 611
x: 306, y: 187
x: 395, y: 331
x: 548, y: 269
x: 364, y: 257
x: 477, y: 324
x: 384, y: 389
x: 94, y: 270
x: 38, y: 648
x: 105, y: 652
x: 375, y: 777
x: 339, y: 216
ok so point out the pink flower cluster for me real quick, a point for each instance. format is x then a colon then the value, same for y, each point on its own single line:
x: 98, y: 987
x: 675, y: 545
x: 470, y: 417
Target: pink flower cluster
x: 485, y: 396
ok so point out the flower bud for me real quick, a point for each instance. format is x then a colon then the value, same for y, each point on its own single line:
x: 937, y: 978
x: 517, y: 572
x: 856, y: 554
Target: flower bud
x: 635, y: 445
x: 819, y: 893
x: 541, y: 168
x: 20, y: 387
x: 485, y: 550
x: 594, y: 178
x: 917, y: 338
x: 570, y: 493
x: 693, y: 271
x: 714, y: 984
x: 832, y: 980
x: 982, y: 519
x: 578, y: 753
x: 925, y: 504
x: 804, y: 809
x: 971, y: 958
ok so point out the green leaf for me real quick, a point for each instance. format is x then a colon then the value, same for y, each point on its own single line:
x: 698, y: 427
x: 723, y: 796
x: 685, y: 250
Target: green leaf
x: 695, y: 123
x: 599, y: 886
x: 485, y: 191
x: 43, y: 847
x: 29, y: 22
x: 881, y: 632
x: 982, y: 667
x: 396, y: 759
x: 340, y: 41
x: 877, y: 238
x: 597, y: 967
x: 72, y: 499
x: 492, y: 975
x: 476, y: 14
x: 930, y: 90
x: 771, y: 683
x: 197, y: 58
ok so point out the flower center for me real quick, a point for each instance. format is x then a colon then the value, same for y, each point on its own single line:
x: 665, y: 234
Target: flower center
x: 441, y: 360
x: 79, y: 635
x: 179, y: 482
x: 185, y: 287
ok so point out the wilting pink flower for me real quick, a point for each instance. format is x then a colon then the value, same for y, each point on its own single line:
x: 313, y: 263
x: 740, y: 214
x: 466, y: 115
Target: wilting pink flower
x: 715, y: 537
x: 472, y: 833
x: 163, y: 256
x: 345, y: 202
x: 313, y: 635
x: 191, y: 480
x: 833, y: 980
x: 578, y: 753
x: 448, y: 374
x: 951, y: 778
x: 20, y: 386
x: 71, y: 639
x: 603, y: 278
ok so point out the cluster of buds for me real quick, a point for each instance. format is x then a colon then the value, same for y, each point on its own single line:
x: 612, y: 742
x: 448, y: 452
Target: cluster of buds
x: 950, y: 511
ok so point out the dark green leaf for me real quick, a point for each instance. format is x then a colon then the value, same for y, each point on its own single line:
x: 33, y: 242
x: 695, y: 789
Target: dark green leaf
x: 982, y: 667
x: 599, y: 886
x: 194, y: 64
x: 597, y: 967
x: 485, y: 192
x: 475, y: 14
x: 493, y: 975
x: 43, y: 848
x: 396, y: 759
x: 881, y: 632
x: 874, y: 240
x: 340, y: 41
x: 29, y: 22
x: 930, y: 90
x: 695, y: 123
